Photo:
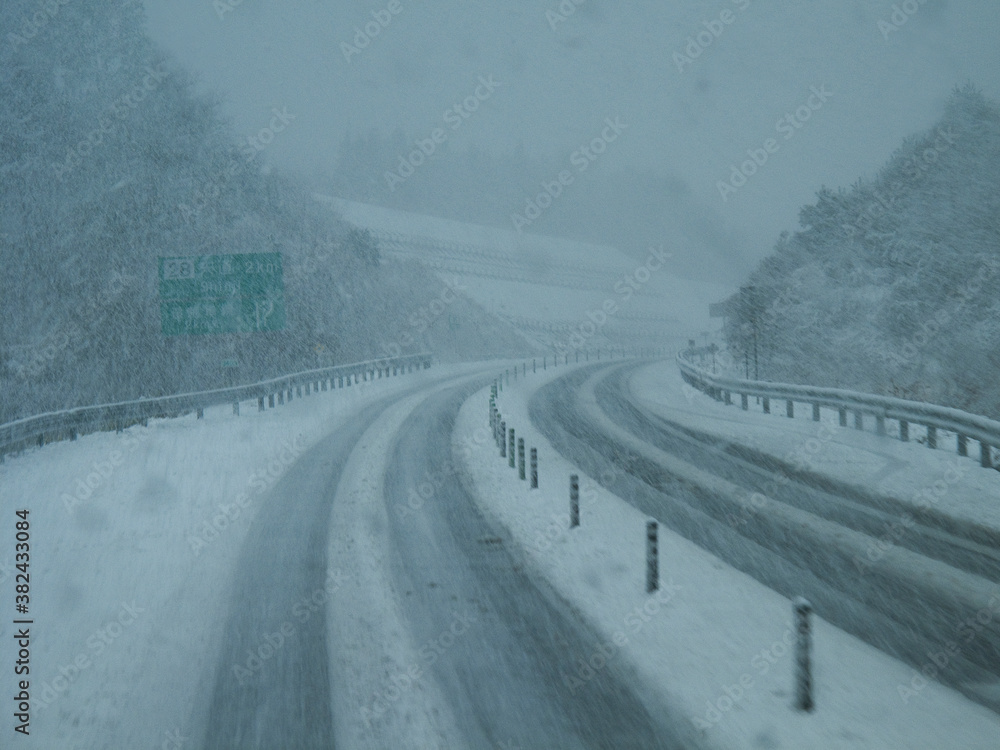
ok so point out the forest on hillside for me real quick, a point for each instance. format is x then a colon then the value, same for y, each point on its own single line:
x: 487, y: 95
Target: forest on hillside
x: 110, y: 160
x: 891, y: 286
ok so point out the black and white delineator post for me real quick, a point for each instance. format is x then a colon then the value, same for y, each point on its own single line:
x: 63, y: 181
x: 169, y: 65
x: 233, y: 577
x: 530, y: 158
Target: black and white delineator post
x: 520, y: 458
x: 574, y: 500
x: 803, y: 646
x: 652, y: 558
x: 534, y: 468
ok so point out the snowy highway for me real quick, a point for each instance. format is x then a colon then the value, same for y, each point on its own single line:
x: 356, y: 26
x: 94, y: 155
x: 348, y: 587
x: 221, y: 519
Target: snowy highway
x: 355, y: 388
x: 396, y: 584
x: 800, y: 534
x: 499, y: 672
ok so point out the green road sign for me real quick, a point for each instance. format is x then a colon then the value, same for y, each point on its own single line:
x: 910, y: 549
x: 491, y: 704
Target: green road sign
x: 202, y: 294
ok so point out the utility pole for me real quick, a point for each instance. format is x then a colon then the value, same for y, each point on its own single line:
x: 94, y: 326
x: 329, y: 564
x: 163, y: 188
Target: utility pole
x: 751, y: 291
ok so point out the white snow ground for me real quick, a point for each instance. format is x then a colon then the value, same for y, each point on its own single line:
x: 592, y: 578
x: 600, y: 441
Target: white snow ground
x: 127, y: 607
x: 549, y: 287
x: 126, y: 612
x: 713, y: 644
x: 958, y: 487
x: 369, y: 640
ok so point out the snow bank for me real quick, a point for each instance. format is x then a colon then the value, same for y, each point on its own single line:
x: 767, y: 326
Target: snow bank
x: 133, y: 542
x: 712, y: 644
x: 909, y: 472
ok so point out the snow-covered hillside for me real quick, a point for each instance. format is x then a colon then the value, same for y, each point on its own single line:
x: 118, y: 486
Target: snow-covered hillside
x: 561, y: 294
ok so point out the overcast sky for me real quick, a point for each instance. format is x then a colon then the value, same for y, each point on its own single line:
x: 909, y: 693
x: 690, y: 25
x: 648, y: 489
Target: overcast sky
x: 606, y: 59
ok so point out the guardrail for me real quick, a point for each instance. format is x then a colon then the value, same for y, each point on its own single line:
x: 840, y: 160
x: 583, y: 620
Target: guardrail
x: 930, y: 416
x: 69, y: 423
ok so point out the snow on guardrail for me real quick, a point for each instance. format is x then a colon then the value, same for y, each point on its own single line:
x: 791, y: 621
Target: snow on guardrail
x: 69, y: 423
x: 931, y: 416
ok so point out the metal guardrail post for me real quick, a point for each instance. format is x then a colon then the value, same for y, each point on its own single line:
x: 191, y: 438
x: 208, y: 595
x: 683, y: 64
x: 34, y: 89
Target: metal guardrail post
x: 574, y: 500
x: 803, y: 647
x: 652, y: 558
x: 67, y: 423
x: 931, y: 416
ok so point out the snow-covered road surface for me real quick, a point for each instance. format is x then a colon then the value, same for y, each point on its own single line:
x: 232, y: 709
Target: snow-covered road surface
x: 504, y: 679
x: 485, y: 648
x: 794, y: 536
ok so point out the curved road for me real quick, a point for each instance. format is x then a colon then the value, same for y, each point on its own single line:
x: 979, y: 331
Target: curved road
x: 502, y: 678
x: 806, y: 539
